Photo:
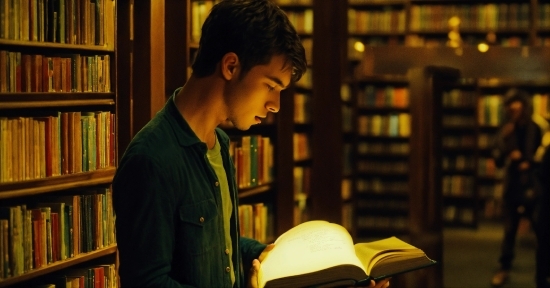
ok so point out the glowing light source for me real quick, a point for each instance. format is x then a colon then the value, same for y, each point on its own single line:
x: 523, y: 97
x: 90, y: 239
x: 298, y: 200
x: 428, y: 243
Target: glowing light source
x: 482, y: 47
x: 359, y: 46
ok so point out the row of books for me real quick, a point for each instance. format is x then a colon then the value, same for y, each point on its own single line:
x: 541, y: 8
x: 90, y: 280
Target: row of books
x: 542, y: 41
x: 544, y: 11
x: 391, y: 125
x: 458, y: 121
x: 381, y: 185
x: 388, y: 96
x: 472, y: 40
x: 301, y: 146
x: 302, y: 179
x: 253, y: 159
x: 254, y: 221
x: 346, y: 190
x: 379, y: 204
x: 302, y: 108
x: 91, y: 276
x: 383, y: 166
x: 464, y: 215
x: 396, y: 223
x: 301, y: 20
x: 57, y: 144
x: 58, y: 73
x: 61, y: 227
x: 61, y: 21
x: 485, y: 140
x: 388, y: 19
x: 347, y: 118
x: 458, y: 185
x: 459, y: 98
x: 490, y: 110
x: 458, y: 162
x: 459, y: 141
x: 493, y: 191
x: 472, y: 17
x: 382, y: 148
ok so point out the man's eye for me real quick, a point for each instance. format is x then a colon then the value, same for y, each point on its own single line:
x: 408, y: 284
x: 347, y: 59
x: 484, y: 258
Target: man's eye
x: 270, y: 88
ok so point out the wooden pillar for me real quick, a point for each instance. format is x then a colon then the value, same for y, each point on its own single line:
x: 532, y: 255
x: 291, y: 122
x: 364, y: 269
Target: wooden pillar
x: 328, y: 58
x: 148, y: 95
x: 425, y: 182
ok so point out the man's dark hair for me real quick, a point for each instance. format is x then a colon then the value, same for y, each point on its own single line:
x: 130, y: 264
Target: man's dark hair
x: 255, y: 30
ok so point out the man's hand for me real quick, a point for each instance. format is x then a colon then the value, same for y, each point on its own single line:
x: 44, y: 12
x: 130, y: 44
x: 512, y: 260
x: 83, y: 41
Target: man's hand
x: 253, y: 281
x: 381, y: 284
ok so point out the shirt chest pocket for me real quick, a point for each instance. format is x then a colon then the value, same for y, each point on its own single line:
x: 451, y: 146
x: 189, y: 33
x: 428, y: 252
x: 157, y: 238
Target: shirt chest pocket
x: 199, y: 227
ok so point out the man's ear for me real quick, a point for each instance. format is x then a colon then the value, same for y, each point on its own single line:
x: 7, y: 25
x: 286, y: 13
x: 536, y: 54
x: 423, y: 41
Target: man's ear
x: 229, y: 65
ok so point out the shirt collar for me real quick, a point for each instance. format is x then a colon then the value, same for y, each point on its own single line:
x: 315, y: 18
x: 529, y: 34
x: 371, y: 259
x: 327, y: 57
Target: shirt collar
x: 185, y: 135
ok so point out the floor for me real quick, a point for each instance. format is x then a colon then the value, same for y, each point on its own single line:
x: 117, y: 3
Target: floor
x: 471, y: 257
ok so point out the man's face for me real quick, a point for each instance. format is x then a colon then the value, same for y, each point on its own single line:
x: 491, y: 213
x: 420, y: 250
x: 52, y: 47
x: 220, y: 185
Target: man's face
x: 251, y: 97
x: 514, y: 110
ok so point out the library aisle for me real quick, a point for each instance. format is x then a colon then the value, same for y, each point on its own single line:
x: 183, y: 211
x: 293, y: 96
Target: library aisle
x: 471, y: 257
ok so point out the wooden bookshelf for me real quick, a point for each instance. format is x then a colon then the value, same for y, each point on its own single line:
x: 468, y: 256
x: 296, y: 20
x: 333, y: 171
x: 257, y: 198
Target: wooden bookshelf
x: 86, y: 52
x: 423, y: 23
x: 381, y: 152
x: 460, y: 153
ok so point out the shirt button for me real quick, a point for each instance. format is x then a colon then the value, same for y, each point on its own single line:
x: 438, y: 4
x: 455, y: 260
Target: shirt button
x: 201, y: 219
x: 227, y: 269
x: 227, y: 251
x: 217, y: 184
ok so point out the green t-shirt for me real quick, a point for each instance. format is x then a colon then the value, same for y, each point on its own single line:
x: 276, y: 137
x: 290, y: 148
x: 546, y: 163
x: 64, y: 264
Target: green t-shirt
x: 215, y: 158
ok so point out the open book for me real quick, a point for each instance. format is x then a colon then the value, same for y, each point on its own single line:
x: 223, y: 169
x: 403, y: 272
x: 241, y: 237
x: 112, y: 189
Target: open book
x: 320, y: 253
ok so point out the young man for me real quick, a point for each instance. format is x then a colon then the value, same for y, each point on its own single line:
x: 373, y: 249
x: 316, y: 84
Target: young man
x: 516, y: 144
x: 174, y: 191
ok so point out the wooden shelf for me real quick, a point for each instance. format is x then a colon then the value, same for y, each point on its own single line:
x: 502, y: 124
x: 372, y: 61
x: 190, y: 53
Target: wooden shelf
x: 56, y: 266
x: 56, y: 46
x: 53, y: 99
x: 252, y: 191
x: 56, y: 183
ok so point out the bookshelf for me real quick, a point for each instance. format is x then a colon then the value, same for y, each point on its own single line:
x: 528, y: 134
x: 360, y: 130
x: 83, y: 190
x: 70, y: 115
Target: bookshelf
x: 460, y: 153
x: 58, y: 140
x: 381, y: 190
x: 398, y: 179
x: 427, y: 23
x: 299, y: 112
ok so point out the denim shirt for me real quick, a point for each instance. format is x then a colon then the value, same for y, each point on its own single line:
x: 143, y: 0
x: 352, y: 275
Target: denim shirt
x: 169, y: 219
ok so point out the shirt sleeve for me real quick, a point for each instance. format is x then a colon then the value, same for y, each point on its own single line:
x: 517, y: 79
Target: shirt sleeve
x: 250, y: 250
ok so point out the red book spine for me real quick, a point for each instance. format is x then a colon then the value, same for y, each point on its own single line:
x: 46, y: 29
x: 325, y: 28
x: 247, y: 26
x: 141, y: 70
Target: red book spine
x: 56, y: 251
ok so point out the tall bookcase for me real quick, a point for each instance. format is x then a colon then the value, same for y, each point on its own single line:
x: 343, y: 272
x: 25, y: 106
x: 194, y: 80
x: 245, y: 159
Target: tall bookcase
x: 398, y: 156
x: 58, y: 140
x: 298, y: 114
x: 381, y: 161
x: 460, y: 153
